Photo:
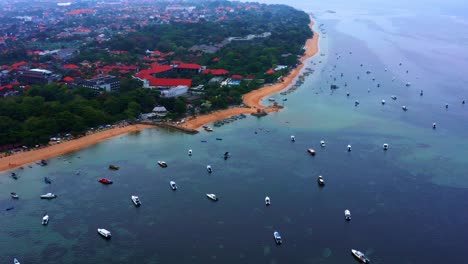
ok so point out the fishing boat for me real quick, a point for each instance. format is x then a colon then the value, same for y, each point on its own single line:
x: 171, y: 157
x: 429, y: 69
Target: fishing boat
x: 9, y: 208
x: 271, y: 99
x: 45, y: 219
x: 209, y: 169
x: 173, y: 185
x: 105, y: 181
x: 349, y: 147
x: 360, y: 256
x: 404, y: 108
x: 434, y: 125
x: 190, y: 152
x: 320, y: 180
x: 226, y: 155
x: 48, y: 196
x: 385, y: 146
x: 47, y: 180
x: 277, y: 237
x: 113, y: 167
x: 347, y: 214
x: 163, y: 164
x: 311, y: 151
x: 322, y: 143
x: 43, y: 163
x: 383, y: 102
x: 14, y: 195
x: 104, y: 232
x: 136, y: 200
x: 212, y: 196
x: 14, y: 176
x: 267, y: 201
x: 15, y: 261
x: 393, y: 97
x: 209, y: 129
x: 293, y: 138
x: 219, y: 139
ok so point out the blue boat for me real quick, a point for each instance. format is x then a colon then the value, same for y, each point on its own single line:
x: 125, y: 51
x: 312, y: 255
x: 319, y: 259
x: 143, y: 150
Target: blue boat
x: 278, y: 239
x: 219, y: 139
x: 14, y: 176
x: 10, y: 208
x: 47, y: 180
x: 204, y: 141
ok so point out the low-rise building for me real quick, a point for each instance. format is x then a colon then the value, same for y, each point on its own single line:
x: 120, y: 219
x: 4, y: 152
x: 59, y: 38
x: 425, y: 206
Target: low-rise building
x: 175, y: 91
x: 37, y: 76
x: 107, y: 83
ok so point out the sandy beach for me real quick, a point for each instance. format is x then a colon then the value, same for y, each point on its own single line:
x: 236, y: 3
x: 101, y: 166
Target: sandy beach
x: 251, y: 99
x: 22, y: 158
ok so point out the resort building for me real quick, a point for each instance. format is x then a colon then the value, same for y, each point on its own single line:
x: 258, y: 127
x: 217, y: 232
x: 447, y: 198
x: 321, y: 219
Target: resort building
x: 37, y: 76
x: 107, y: 83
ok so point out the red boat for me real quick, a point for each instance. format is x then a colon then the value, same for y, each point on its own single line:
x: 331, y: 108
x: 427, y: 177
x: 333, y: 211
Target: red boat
x: 105, y: 181
x: 311, y: 152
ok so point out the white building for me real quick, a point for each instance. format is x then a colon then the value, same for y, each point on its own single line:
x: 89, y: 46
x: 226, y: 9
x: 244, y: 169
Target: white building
x: 175, y: 91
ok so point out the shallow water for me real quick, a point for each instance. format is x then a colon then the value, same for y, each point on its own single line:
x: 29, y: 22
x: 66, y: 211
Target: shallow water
x: 408, y: 203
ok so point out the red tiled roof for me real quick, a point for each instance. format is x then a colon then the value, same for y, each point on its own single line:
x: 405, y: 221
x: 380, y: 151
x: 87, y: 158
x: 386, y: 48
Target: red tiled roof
x: 71, y: 66
x: 170, y: 82
x: 216, y: 71
x: 216, y: 59
x: 68, y: 79
x: 19, y: 64
x: 270, y: 71
x: 236, y: 76
x: 191, y: 66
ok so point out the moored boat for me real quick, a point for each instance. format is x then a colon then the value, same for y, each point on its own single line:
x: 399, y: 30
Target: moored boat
x: 48, y: 196
x: 45, y: 219
x: 9, y: 208
x: 212, y: 196
x: 113, y: 167
x: 347, y: 214
x: 267, y: 201
x: 311, y: 151
x: 322, y: 143
x: 385, y: 146
x: 209, y: 129
x: 14, y: 195
x: 349, y: 147
x: 47, y: 180
x: 190, y: 152
x: 293, y: 138
x: 14, y: 176
x: 278, y: 238
x: 136, y: 200
x: 104, y: 232
x: 163, y: 164
x: 173, y: 185
x: 105, y: 181
x: 360, y: 256
x: 15, y: 261
x: 209, y: 169
x: 320, y: 180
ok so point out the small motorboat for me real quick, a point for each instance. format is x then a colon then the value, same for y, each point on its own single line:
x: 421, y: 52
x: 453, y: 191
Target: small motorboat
x: 446, y: 106
x: 15, y: 261
x: 408, y: 84
x: 320, y: 180
x: 356, y: 103
x: 383, y: 102
x: 393, y: 97
x: 162, y: 164
x: 347, y: 215
x: 14, y: 176
x: 47, y: 180
x: 209, y: 169
x: 285, y: 99
x: 311, y: 151
x: 190, y: 152
x: 173, y: 185
x: 421, y: 93
x: 277, y: 237
x: 48, y: 196
x: 9, y: 208
x: 226, y: 155
x: 209, y: 129
x: 347, y: 94
x: 385, y: 146
x: 322, y: 143
x: 105, y: 181
x: 404, y: 108
x: 203, y: 141
x: 434, y: 125
x: 219, y: 139
x: 293, y: 138
x: 349, y: 147
x: 14, y: 195
x: 45, y: 219
x: 212, y: 196
x: 271, y: 99
x: 104, y: 232
x: 113, y: 167
x: 136, y: 200
x: 43, y: 163
x: 267, y: 201
x: 360, y: 256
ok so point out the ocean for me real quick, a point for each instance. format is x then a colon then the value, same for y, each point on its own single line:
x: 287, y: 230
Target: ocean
x: 408, y: 203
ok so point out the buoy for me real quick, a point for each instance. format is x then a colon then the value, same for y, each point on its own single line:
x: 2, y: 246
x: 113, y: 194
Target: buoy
x: 383, y: 102
x: 404, y: 108
x: 349, y: 147
x: 434, y: 125
x: 385, y: 146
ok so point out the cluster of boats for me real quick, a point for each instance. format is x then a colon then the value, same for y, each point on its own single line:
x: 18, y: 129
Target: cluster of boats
x: 228, y: 120
x: 299, y: 81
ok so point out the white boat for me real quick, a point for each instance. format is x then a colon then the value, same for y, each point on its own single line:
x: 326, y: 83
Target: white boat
x: 383, y: 102
x: 104, y: 232
x: 408, y: 84
x: 404, y: 108
x: 45, y: 219
x: 356, y: 102
x: 48, y: 196
x: 136, y: 200
x: 161, y: 163
x: 320, y: 180
x: 209, y: 169
x: 277, y: 237
x: 190, y: 152
x: 322, y: 143
x: 360, y: 256
x: 173, y: 185
x: 434, y: 125
x: 293, y: 138
x: 385, y: 146
x: 209, y: 129
x: 271, y: 99
x: 393, y: 97
x: 347, y: 214
x: 15, y: 261
x: 212, y: 196
x: 349, y: 147
x: 267, y: 200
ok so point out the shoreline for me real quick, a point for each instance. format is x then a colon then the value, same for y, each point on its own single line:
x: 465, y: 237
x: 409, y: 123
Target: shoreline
x: 251, y: 99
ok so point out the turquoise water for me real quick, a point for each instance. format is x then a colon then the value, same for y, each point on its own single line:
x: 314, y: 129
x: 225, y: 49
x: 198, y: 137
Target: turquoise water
x: 408, y: 203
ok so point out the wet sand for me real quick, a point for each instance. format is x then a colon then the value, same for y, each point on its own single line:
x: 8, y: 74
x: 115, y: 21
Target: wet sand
x: 251, y: 99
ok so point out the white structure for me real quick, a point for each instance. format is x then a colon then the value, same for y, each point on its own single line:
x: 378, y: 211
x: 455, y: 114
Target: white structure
x: 175, y: 91
x: 160, y: 111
